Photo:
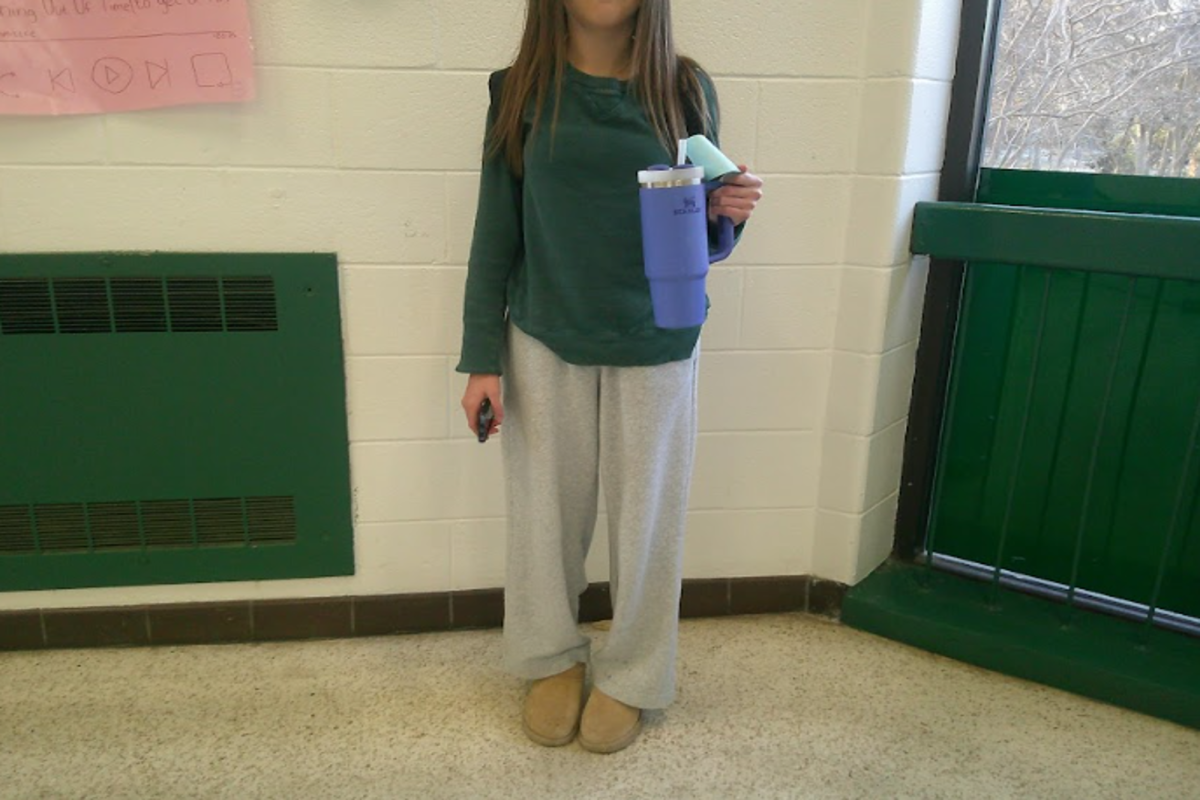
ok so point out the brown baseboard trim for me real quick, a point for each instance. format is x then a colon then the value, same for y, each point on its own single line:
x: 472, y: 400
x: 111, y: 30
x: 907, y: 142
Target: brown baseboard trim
x: 345, y: 617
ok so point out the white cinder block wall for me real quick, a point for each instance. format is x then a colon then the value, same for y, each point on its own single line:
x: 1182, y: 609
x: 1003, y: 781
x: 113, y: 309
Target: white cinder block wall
x: 909, y: 67
x: 365, y: 141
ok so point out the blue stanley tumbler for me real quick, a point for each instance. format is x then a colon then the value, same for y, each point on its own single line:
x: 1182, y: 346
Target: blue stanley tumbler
x: 675, y: 242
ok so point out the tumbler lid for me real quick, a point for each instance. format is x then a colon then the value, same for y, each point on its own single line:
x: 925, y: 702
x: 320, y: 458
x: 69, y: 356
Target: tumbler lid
x: 663, y: 177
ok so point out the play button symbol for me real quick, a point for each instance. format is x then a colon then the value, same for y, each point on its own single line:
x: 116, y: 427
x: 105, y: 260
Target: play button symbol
x: 112, y: 75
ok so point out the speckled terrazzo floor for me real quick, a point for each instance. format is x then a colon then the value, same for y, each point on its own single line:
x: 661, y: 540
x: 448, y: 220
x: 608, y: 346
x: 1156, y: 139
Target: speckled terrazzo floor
x: 769, y: 707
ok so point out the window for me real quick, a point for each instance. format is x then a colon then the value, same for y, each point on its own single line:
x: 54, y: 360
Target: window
x: 1098, y: 86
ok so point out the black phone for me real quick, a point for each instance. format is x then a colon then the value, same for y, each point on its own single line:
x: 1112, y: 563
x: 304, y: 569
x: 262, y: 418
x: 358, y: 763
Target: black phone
x: 483, y: 423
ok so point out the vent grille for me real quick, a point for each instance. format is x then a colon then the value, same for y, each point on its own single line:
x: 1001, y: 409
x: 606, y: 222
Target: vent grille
x: 62, y: 527
x: 195, y: 304
x: 25, y: 306
x: 168, y: 523
x: 147, y: 524
x: 137, y: 305
x: 82, y: 305
x: 250, y: 304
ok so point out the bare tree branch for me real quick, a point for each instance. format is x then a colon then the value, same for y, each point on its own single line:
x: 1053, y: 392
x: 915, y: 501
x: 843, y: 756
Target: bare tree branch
x: 1108, y: 85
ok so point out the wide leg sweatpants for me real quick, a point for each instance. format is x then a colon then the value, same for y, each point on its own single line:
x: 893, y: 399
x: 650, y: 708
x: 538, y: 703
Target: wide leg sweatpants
x: 568, y: 428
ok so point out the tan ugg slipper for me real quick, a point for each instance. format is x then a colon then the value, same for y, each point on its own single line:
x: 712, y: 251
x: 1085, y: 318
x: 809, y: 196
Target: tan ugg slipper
x: 552, y: 707
x: 608, y: 725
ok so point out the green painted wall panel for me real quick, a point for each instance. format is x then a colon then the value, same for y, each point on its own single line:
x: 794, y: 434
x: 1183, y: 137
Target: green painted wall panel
x: 197, y: 415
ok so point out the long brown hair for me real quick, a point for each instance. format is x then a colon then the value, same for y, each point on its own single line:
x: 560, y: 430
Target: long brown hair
x: 668, y: 85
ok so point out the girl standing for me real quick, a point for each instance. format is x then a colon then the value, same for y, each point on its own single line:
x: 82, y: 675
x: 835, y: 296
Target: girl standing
x: 557, y: 301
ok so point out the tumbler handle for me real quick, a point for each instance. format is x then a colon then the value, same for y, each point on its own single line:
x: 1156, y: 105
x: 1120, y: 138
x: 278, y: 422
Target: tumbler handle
x: 725, y: 237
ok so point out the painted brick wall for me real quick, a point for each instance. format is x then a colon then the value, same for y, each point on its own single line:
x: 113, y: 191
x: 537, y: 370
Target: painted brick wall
x: 365, y: 141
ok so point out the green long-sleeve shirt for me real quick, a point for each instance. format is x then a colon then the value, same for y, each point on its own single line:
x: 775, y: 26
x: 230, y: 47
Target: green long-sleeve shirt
x: 560, y: 250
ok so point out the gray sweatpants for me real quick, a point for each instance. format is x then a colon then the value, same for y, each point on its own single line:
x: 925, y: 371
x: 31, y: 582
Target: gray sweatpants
x: 567, y: 427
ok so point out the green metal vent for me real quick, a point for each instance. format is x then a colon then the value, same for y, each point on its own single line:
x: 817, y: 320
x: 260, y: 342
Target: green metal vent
x: 221, y: 522
x: 146, y: 438
x: 137, y: 305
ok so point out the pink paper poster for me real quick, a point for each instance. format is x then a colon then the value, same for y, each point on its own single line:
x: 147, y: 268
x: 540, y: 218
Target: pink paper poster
x: 89, y: 56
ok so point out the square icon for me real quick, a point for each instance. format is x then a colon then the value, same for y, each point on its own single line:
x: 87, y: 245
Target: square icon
x: 212, y: 70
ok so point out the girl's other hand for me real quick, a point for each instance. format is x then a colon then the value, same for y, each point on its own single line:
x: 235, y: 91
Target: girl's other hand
x: 737, y: 198
x: 479, y: 387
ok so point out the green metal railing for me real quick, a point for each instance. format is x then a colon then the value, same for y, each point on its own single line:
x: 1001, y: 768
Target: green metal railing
x: 1070, y: 457
x: 1142, y: 245
x: 1060, y: 476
